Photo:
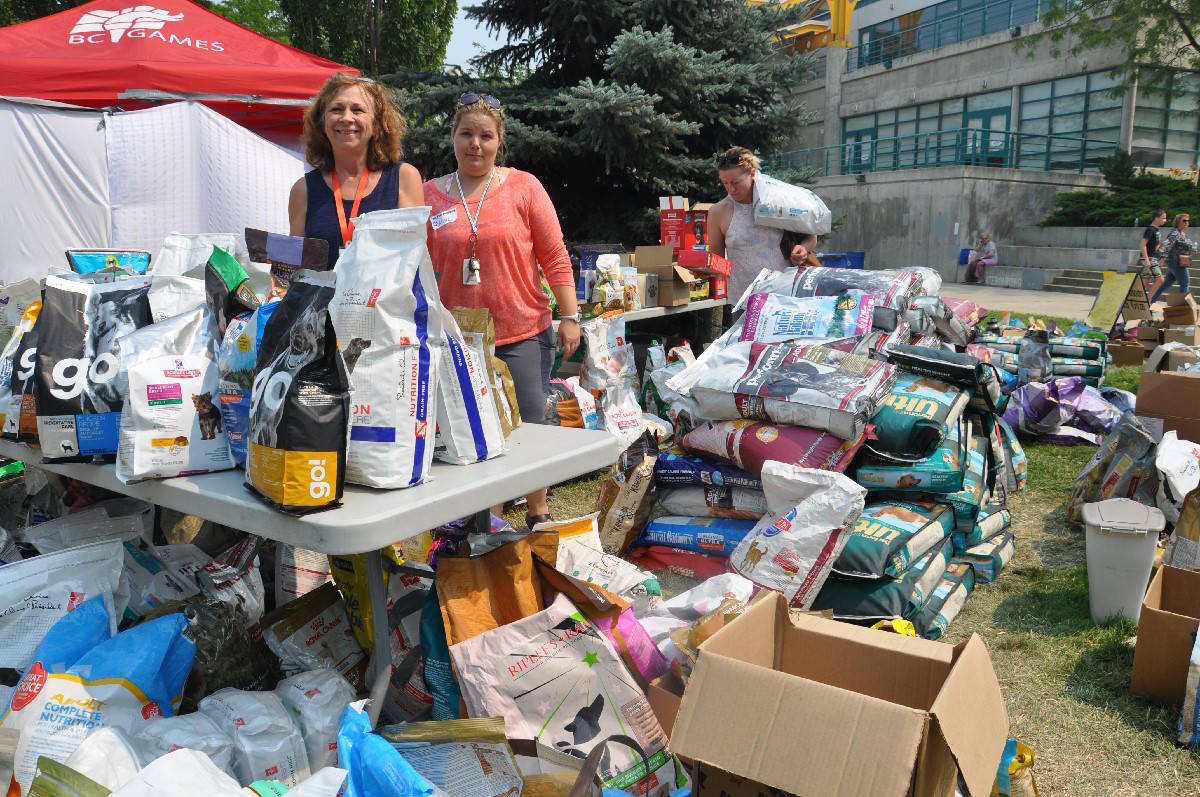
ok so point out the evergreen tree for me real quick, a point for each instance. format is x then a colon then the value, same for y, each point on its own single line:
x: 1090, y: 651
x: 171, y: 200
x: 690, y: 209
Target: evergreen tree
x: 620, y: 101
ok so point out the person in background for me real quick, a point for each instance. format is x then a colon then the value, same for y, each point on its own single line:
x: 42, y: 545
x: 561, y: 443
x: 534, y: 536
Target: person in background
x: 731, y: 228
x: 1149, y: 245
x: 491, y: 228
x: 799, y: 248
x: 1176, y: 251
x: 353, y: 137
x: 981, y: 256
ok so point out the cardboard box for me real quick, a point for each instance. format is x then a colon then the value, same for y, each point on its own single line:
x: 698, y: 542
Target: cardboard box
x: 682, y: 227
x: 820, y: 708
x: 648, y: 288
x: 1177, y: 299
x: 664, y: 694
x: 1166, y: 634
x: 1149, y: 334
x: 674, y: 281
x: 1188, y: 336
x: 704, y: 263
x: 1126, y: 354
x: 1181, y: 310
x: 718, y: 288
x: 1174, y: 398
x: 1168, y: 359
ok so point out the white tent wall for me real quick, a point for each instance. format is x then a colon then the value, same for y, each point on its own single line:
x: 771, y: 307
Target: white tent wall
x: 56, y: 196
x: 185, y: 168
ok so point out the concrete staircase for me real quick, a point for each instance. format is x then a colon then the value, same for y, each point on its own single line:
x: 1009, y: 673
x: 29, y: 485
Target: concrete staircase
x: 1067, y: 259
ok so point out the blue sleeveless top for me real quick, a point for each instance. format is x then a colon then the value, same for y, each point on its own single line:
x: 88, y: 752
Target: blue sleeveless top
x: 320, y: 217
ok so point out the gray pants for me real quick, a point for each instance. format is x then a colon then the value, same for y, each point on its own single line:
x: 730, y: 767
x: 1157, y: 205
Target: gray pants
x: 530, y: 361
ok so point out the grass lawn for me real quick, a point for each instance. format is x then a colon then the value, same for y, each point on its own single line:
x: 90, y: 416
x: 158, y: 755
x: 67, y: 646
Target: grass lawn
x: 1065, y: 680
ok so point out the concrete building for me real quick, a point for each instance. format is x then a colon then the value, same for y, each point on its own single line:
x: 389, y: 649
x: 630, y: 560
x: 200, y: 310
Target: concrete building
x: 937, y: 126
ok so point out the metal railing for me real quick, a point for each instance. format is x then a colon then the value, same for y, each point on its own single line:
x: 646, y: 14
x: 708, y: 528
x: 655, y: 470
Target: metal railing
x: 988, y: 18
x: 962, y: 147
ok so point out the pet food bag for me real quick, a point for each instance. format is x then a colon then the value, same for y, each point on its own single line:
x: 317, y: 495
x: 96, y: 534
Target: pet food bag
x: 750, y: 444
x: 915, y: 417
x: 227, y: 288
x: 789, y: 207
x: 961, y: 370
x: 314, y: 632
x: 891, y: 535
x: 469, y: 757
x: 988, y: 558
x: 993, y: 521
x: 608, y: 356
x: 170, y: 296
x: 389, y: 320
x: 317, y: 699
x: 194, y: 731
x: 1122, y: 467
x: 82, y: 678
x: 237, y: 358
x: 663, y: 559
x: 940, y: 472
x: 1034, y: 363
x: 928, y: 315
x: 771, y: 318
x: 676, y: 468
x: 792, y: 549
x: 266, y: 739
x: 712, y: 536
x: 479, y: 333
x: 946, y: 601
x: 17, y: 361
x: 710, y: 501
x: 299, y: 403
x: 813, y: 386
x: 15, y: 299
x: 185, y: 255
x: 622, y: 414
x: 1187, y: 730
x: 579, y: 560
x: 893, y: 290
x: 171, y: 420
x: 284, y: 255
x: 869, y: 600
x: 78, y: 393
x: 557, y: 681
x: 627, y: 494
x: 468, y: 424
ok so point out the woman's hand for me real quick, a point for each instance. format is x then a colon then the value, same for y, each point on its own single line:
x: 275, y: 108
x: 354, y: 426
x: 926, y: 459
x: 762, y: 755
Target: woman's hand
x: 799, y: 255
x: 568, y: 337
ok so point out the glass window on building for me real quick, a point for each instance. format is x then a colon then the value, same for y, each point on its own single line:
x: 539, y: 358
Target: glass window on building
x: 1068, y: 122
x: 1166, y: 124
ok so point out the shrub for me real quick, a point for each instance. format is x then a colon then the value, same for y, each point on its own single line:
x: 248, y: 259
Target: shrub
x: 1134, y: 197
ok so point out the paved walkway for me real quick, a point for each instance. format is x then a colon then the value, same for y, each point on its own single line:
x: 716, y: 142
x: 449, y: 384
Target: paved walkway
x: 1037, y: 303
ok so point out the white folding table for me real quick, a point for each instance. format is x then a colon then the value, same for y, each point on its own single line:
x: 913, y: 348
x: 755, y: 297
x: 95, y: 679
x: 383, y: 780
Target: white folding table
x: 368, y: 519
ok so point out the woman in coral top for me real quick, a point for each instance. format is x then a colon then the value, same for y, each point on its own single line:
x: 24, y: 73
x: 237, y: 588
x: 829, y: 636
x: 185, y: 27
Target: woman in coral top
x: 491, y: 229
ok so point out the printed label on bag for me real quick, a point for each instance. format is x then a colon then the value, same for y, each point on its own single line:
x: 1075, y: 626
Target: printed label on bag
x: 293, y: 478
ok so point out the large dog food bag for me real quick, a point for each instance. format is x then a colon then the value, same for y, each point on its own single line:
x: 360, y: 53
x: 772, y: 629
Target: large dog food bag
x: 16, y: 370
x: 946, y: 601
x: 789, y: 207
x: 388, y: 317
x: 171, y: 421
x: 711, y: 501
x: 705, y: 535
x: 300, y: 403
x: 771, y: 318
x: 468, y: 423
x: 750, y: 444
x: 993, y: 520
x: 676, y: 468
x: 868, y: 600
x: 814, y: 386
x: 557, y: 681
x: 915, y: 416
x: 78, y: 393
x: 890, y: 535
x: 988, y: 558
x: 893, y: 290
x: 792, y: 549
x: 940, y: 472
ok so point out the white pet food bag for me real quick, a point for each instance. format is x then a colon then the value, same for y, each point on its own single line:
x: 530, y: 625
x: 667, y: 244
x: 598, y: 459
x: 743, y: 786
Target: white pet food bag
x: 468, y: 423
x: 608, y: 356
x: 789, y: 207
x: 388, y: 318
x: 186, y: 255
x: 194, y: 731
x: 622, y: 414
x: 317, y: 700
x: 266, y: 740
x: 170, y: 296
x: 171, y: 420
x: 793, y: 547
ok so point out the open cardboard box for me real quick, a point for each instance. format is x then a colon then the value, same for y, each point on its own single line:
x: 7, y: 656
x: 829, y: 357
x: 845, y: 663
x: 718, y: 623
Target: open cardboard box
x: 820, y: 708
x: 1126, y: 353
x: 1166, y: 634
x: 1181, y: 310
x: 674, y: 281
x: 1174, y: 398
x: 1187, y: 335
x: 1167, y: 359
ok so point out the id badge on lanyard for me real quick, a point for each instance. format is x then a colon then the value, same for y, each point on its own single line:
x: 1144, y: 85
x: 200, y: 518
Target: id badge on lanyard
x: 471, y: 270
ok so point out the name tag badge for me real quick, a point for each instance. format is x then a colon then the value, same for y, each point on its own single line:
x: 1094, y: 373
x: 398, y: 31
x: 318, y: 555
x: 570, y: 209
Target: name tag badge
x: 440, y: 220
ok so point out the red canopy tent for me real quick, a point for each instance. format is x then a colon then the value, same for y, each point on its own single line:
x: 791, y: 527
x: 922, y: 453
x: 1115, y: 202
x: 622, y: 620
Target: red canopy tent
x: 106, y: 53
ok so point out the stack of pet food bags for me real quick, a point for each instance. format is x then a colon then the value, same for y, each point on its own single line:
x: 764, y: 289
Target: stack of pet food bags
x: 938, y: 469
x: 1039, y: 357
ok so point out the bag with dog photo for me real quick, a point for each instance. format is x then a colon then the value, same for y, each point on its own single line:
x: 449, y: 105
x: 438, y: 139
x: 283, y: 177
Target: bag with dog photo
x: 299, y: 403
x: 171, y: 421
x: 76, y: 383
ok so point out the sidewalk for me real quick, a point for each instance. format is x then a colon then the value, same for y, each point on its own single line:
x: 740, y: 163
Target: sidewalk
x: 1037, y: 303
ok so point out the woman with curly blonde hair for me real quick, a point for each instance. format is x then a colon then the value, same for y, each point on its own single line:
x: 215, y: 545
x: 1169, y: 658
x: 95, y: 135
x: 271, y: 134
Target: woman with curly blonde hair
x: 353, y: 137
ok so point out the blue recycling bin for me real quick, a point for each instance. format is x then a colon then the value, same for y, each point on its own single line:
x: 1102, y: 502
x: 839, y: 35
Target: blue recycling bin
x: 835, y: 260
x: 856, y: 260
x: 964, y: 256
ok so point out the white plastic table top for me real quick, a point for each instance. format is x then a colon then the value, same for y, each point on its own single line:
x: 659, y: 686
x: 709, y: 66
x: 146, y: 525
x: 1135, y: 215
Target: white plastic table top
x: 655, y: 312
x: 368, y: 519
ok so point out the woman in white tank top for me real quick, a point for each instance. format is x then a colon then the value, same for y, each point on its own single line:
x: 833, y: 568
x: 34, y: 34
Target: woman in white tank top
x: 732, y: 231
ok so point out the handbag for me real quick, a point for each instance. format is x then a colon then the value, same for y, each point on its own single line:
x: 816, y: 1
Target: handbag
x: 1185, y: 261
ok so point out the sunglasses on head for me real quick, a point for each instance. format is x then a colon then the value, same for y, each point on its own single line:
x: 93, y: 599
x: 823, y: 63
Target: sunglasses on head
x: 470, y: 98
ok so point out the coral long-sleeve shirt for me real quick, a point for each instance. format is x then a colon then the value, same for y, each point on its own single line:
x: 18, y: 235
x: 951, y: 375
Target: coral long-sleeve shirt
x: 518, y: 231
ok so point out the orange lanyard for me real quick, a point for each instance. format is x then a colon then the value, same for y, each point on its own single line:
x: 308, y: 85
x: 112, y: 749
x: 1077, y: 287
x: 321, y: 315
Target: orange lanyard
x: 346, y: 227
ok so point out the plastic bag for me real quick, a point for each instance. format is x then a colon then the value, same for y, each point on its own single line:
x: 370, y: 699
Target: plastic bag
x: 313, y: 632
x: 792, y: 549
x: 317, y: 699
x: 622, y: 414
x: 185, y: 255
x: 1033, y: 360
x: 1178, y: 465
x: 267, y: 741
x: 789, y: 207
x: 608, y: 356
x: 374, y: 768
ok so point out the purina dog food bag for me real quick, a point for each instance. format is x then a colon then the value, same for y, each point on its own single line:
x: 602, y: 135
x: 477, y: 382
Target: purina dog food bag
x: 679, y: 469
x: 76, y: 384
x: 388, y: 318
x: 771, y: 318
x: 171, y: 421
x: 893, y: 290
x: 17, y: 364
x: 706, y: 535
x: 299, y: 403
x: 236, y: 362
x: 750, y: 444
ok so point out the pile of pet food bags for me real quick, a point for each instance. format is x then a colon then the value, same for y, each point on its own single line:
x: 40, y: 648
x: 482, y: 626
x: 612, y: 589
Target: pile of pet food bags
x: 833, y: 446
x: 1055, y: 381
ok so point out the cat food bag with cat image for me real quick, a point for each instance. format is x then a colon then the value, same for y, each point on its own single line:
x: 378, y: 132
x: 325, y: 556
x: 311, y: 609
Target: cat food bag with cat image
x: 171, y: 421
x: 389, y: 321
x: 236, y: 360
x: 771, y: 318
x: 299, y: 403
x: 76, y: 385
x: 915, y: 417
x: 227, y: 287
x: 608, y: 355
x: 557, y: 681
x: 793, y: 547
x: 285, y: 254
x: 890, y: 535
x: 468, y: 424
x: 16, y: 369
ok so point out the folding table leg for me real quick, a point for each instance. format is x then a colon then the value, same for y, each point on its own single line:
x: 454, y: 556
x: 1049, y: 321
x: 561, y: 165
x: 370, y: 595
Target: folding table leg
x: 380, y: 671
x: 483, y: 521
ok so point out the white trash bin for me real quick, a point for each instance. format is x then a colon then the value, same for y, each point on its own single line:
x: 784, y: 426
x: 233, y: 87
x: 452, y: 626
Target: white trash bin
x: 1121, y: 536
